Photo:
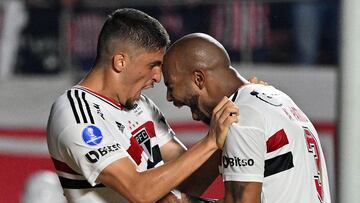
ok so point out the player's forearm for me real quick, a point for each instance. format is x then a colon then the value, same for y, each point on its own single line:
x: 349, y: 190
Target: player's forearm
x: 170, y: 175
x: 242, y: 192
x: 201, y: 179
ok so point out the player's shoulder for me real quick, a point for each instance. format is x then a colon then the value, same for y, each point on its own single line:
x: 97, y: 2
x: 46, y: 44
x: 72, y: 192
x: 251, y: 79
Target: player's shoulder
x: 146, y: 102
x: 145, y: 99
x: 73, y: 106
x: 259, y: 95
x: 70, y: 97
x: 250, y: 88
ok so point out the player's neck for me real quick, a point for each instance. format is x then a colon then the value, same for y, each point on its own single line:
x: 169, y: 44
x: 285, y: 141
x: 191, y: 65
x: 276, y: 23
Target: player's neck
x: 233, y: 85
x: 103, y: 82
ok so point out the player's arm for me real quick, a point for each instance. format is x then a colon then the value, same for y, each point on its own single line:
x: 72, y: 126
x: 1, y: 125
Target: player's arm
x: 242, y: 192
x: 200, y: 180
x: 151, y: 185
x: 235, y: 192
x: 245, y: 142
x: 172, y: 150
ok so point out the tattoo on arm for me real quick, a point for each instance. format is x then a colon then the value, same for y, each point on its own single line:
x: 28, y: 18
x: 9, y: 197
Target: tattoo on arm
x: 236, y: 189
x: 243, y: 191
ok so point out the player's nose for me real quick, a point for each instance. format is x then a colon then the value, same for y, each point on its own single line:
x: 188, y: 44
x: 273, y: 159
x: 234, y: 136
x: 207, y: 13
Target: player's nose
x: 156, y: 74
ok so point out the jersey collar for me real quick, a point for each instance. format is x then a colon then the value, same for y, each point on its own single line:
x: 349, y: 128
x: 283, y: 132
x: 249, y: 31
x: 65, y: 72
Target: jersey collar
x: 234, y: 96
x: 107, y: 99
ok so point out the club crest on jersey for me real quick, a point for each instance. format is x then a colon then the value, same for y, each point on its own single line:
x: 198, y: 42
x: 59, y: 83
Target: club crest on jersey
x: 143, y: 138
x: 92, y: 135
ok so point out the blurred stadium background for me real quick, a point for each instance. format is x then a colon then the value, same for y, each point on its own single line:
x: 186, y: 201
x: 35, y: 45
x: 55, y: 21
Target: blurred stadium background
x: 46, y: 46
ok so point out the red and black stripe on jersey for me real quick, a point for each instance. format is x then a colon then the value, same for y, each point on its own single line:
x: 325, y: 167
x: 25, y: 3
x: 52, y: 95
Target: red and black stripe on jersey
x: 68, y: 183
x: 83, y: 108
x: 281, y: 162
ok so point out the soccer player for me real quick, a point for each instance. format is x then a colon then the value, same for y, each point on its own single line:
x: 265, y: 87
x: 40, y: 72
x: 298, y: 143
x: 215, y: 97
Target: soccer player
x: 109, y: 143
x: 273, y: 154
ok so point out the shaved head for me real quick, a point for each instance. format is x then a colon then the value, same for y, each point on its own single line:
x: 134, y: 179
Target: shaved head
x: 197, y: 74
x: 199, y: 51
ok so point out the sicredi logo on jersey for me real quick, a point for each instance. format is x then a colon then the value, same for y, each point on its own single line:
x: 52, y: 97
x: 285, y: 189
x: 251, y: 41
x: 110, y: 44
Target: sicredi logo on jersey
x: 92, y: 135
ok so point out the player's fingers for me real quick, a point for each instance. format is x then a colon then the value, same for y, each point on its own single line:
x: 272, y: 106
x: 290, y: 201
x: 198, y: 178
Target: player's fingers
x: 254, y: 80
x: 229, y: 111
x: 229, y: 107
x: 216, y: 115
x: 230, y: 120
x: 223, y: 101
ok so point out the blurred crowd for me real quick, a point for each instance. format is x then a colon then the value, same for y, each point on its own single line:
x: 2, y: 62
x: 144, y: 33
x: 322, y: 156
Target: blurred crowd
x: 56, y: 34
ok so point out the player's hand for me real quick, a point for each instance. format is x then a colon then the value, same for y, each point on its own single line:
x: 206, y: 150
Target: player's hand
x: 255, y: 80
x: 224, y: 114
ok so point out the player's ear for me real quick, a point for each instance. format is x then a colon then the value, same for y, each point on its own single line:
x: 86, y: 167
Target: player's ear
x: 199, y: 78
x: 119, y: 62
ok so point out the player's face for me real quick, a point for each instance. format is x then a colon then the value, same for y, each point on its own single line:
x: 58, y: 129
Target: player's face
x: 181, y: 92
x: 143, y: 72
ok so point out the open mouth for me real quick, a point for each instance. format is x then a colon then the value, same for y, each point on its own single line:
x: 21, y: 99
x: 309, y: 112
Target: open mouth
x: 149, y: 86
x: 178, y: 104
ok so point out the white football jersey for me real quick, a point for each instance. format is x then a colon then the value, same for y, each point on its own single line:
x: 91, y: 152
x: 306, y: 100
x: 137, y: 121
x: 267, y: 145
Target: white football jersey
x: 276, y: 144
x: 87, y: 132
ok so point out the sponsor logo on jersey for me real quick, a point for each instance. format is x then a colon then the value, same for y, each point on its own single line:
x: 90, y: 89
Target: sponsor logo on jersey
x: 94, y: 155
x: 92, y: 135
x: 236, y: 162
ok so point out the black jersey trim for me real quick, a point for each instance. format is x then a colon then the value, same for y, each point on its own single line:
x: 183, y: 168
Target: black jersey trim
x: 278, y: 164
x: 80, y: 106
x: 67, y: 183
x: 73, y: 106
x: 87, y: 108
x: 235, y: 95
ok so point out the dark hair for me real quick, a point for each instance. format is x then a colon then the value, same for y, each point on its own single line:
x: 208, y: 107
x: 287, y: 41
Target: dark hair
x: 133, y: 26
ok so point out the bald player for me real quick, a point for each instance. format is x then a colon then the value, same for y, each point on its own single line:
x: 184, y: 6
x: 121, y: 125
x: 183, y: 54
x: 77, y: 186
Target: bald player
x: 273, y: 154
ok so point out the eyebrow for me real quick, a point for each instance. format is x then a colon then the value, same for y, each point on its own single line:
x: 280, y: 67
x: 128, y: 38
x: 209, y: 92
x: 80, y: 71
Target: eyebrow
x: 156, y: 63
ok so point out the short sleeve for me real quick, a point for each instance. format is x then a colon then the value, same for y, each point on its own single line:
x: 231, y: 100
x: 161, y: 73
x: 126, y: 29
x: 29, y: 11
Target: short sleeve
x: 243, y: 153
x: 90, y: 148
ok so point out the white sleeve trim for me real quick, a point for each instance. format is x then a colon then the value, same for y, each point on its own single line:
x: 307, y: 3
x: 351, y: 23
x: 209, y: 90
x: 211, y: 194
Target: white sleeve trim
x: 243, y: 177
x: 95, y: 173
x: 166, y: 138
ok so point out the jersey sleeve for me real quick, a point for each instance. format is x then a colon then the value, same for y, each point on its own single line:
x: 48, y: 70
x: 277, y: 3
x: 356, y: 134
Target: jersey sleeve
x: 243, y: 153
x: 90, y: 148
x: 164, y: 133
